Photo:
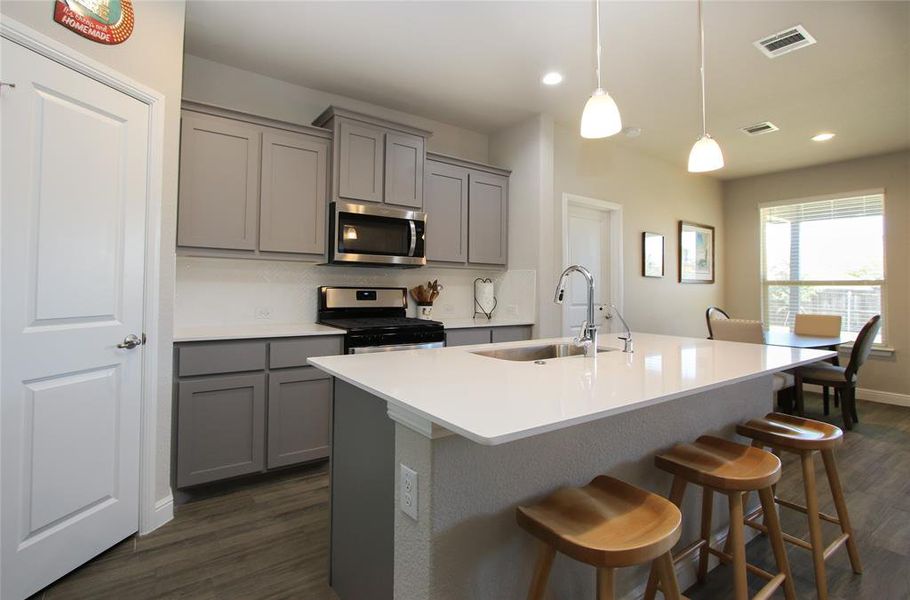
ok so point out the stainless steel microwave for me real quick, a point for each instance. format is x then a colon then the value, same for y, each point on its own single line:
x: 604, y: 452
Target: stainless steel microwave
x: 379, y: 235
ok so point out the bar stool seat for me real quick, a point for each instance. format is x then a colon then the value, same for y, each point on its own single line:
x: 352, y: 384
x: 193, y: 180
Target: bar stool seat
x: 780, y: 430
x: 608, y: 524
x: 721, y: 464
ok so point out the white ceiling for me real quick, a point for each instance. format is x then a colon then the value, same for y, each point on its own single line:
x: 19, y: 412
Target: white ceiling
x: 478, y: 65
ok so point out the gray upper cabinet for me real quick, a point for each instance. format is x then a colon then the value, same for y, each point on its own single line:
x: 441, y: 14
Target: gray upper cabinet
x: 360, y: 161
x: 446, y: 205
x: 219, y: 183
x: 293, y: 202
x: 488, y: 200
x: 300, y: 406
x: 404, y: 165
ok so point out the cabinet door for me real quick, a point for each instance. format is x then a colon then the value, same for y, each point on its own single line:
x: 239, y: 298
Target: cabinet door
x: 360, y: 161
x: 219, y: 183
x: 300, y: 404
x: 220, y: 428
x: 511, y: 334
x: 468, y: 337
x: 488, y: 200
x: 446, y: 204
x: 293, y: 202
x: 404, y: 163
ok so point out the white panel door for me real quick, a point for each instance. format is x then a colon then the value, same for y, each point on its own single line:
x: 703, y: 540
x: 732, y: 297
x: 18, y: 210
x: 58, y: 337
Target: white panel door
x: 72, y: 219
x: 589, y: 246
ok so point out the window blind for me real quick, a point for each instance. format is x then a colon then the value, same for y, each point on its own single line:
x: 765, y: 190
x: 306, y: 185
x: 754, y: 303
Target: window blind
x: 823, y: 257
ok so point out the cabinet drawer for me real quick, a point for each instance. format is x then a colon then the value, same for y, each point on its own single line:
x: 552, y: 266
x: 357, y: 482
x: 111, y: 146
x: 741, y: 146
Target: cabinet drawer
x: 468, y: 337
x: 295, y: 352
x: 511, y: 334
x: 220, y: 357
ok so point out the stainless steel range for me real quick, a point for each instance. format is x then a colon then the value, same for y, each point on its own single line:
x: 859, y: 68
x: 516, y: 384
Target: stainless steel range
x: 375, y: 321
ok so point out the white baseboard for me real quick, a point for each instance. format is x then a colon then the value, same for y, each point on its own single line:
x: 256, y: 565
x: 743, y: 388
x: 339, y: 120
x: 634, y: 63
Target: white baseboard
x: 164, y: 512
x: 871, y: 395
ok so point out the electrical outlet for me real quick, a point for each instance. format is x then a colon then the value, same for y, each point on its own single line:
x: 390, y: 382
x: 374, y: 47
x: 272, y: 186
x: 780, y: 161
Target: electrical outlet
x: 263, y: 312
x: 408, y: 491
x: 512, y: 310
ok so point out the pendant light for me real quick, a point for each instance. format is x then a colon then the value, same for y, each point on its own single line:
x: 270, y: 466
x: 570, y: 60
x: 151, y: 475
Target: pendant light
x: 705, y: 155
x: 600, y: 118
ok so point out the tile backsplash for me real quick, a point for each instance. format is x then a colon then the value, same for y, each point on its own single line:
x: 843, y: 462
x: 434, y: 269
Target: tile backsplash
x: 216, y: 291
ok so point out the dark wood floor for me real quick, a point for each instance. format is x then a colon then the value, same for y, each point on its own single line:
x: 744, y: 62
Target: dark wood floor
x: 269, y: 539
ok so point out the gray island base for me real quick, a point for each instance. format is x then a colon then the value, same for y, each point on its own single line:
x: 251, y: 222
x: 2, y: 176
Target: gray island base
x: 465, y: 543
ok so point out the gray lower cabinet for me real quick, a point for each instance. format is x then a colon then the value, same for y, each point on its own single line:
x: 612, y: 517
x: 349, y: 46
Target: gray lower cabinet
x: 488, y: 199
x: 517, y: 333
x: 484, y: 335
x: 300, y: 406
x: 446, y: 204
x: 221, y: 427
x: 219, y: 183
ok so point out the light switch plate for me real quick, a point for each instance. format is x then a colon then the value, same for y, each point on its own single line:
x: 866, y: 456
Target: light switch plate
x: 408, y: 491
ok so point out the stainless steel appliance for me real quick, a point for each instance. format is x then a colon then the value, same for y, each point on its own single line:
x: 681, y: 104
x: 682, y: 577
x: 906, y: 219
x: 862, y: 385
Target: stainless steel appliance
x: 364, y: 234
x: 375, y: 321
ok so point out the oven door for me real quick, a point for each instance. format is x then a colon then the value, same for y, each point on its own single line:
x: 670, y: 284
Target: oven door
x: 381, y: 235
x: 395, y: 347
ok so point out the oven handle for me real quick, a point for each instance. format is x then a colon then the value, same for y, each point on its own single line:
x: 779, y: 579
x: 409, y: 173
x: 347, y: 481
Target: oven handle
x: 393, y: 348
x: 413, y: 237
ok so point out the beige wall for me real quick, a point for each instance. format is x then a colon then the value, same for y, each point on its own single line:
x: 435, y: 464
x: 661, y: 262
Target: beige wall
x: 890, y: 172
x: 152, y: 56
x: 655, y: 195
x: 215, y: 83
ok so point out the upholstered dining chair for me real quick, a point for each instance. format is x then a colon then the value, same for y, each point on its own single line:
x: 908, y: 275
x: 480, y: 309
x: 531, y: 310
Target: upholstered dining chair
x: 842, y: 379
x: 714, y: 314
x: 750, y: 332
x: 820, y: 326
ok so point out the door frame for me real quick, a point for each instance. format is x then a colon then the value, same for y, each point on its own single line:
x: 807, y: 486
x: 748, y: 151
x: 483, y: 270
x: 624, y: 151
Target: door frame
x: 615, y: 211
x: 152, y: 512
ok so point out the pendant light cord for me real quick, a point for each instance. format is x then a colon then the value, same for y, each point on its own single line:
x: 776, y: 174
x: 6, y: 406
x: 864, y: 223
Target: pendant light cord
x: 701, y: 52
x: 597, y: 20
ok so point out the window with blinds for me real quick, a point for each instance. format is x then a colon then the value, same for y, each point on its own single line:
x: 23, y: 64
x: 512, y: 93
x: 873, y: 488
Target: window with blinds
x: 824, y: 257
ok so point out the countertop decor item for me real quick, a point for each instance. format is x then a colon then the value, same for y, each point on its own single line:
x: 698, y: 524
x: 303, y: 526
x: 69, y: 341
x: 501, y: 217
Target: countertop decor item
x: 425, y: 295
x: 484, y: 297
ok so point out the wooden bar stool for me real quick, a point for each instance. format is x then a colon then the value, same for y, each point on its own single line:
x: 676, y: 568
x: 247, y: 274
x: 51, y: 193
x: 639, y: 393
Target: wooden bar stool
x: 807, y: 437
x: 719, y: 465
x: 608, y: 524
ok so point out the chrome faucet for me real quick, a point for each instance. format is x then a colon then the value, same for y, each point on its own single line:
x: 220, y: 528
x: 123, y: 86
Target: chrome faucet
x: 627, y: 338
x: 587, y: 337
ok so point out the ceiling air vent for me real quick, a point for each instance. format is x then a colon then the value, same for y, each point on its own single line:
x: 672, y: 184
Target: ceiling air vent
x: 785, y: 41
x: 760, y: 128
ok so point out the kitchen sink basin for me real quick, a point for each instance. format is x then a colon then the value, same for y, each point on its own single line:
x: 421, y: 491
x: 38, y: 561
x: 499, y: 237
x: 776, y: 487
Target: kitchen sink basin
x: 534, y: 353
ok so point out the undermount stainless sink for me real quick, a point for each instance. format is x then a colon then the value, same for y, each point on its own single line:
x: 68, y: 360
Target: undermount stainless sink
x: 533, y: 353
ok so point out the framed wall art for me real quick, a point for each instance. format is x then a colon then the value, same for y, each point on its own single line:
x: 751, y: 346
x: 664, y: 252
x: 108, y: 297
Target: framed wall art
x: 696, y: 253
x: 652, y: 254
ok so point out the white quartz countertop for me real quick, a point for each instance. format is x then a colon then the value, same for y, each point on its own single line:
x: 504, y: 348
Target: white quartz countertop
x: 234, y: 331
x: 483, y: 322
x: 492, y: 401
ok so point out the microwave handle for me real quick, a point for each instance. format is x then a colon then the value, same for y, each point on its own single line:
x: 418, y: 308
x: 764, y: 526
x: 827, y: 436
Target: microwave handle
x: 413, y: 237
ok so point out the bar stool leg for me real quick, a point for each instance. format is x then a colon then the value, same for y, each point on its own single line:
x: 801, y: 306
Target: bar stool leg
x: 841, y: 506
x: 545, y: 556
x: 738, y: 546
x: 604, y: 583
x: 707, y: 506
x: 815, y: 528
x: 772, y: 522
x: 677, y: 492
x: 826, y: 400
x: 668, y: 584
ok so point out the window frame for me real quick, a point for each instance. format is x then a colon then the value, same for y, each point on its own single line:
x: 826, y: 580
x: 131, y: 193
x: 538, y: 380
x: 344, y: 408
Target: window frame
x: 882, y: 283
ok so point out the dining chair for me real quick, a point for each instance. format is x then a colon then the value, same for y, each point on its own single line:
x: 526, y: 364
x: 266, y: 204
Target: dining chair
x: 842, y: 379
x: 751, y: 332
x: 820, y: 326
x: 715, y: 314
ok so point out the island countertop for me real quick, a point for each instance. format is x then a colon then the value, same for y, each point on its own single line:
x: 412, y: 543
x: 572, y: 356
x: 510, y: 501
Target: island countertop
x: 492, y: 401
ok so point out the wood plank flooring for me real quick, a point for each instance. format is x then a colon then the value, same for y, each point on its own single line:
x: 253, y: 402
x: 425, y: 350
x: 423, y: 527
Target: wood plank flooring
x: 269, y: 539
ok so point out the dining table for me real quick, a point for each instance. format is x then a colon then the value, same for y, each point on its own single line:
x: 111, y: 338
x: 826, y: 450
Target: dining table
x: 795, y: 340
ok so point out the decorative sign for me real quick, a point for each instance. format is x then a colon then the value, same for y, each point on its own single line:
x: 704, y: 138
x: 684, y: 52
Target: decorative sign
x: 102, y: 21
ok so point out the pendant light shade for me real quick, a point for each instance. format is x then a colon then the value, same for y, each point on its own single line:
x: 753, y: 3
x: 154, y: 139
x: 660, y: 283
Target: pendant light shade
x: 705, y: 155
x: 601, y: 116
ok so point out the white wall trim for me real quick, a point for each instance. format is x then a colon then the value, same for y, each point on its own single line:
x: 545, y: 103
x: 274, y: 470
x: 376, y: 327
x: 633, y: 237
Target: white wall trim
x: 616, y: 245
x: 152, y: 512
x: 880, y: 396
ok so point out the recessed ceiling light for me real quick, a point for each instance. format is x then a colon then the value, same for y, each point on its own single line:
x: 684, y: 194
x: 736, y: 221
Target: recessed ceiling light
x: 822, y: 137
x: 552, y: 78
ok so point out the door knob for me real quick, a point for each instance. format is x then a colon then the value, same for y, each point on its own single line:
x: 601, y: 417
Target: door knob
x: 130, y: 342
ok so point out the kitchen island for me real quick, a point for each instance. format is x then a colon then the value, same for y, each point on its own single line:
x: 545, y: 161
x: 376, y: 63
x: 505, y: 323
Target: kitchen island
x: 484, y: 434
